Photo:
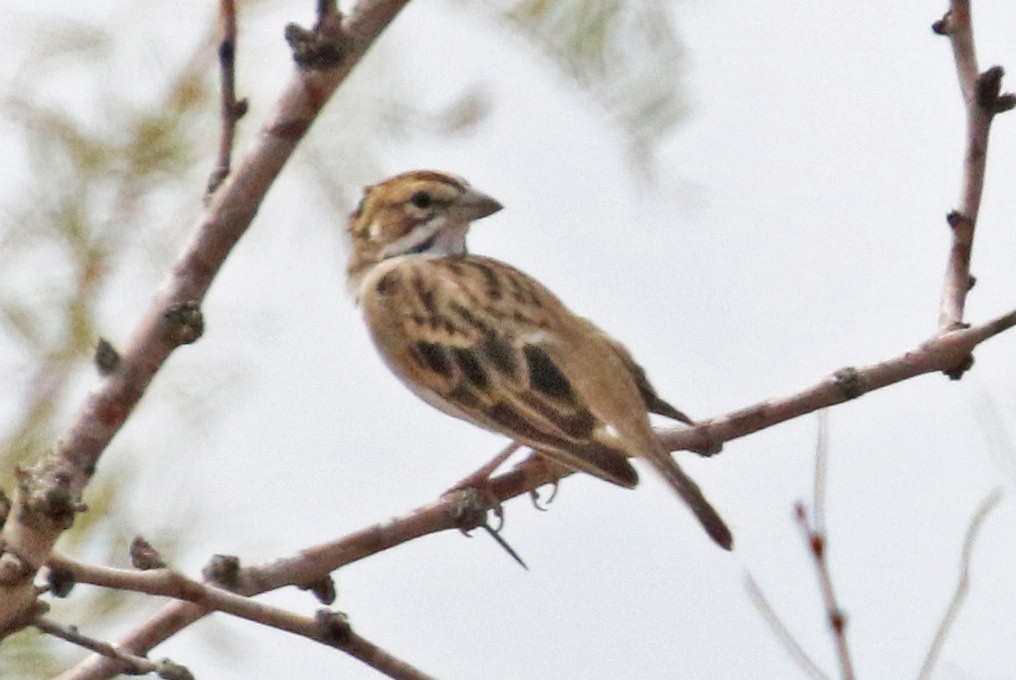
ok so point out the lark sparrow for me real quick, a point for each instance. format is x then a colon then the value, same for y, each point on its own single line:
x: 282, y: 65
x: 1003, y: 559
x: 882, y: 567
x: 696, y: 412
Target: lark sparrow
x: 484, y: 342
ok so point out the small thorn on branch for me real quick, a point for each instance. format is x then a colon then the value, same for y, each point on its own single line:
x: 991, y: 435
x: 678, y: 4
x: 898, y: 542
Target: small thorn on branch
x: 838, y: 621
x: 184, y: 323
x: 314, y: 50
x: 817, y: 544
x: 988, y: 87
x: 107, y: 359
x: 960, y: 369
x: 61, y: 581
x: 323, y: 47
x: 955, y: 219
x: 335, y: 626
x: 168, y: 670
x: 144, y: 556
x: 1004, y: 102
x: 323, y: 589
x: 944, y: 25
x: 326, y: 11
x: 223, y: 571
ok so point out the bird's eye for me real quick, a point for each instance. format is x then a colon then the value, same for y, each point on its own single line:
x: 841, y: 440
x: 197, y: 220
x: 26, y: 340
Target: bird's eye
x: 421, y: 199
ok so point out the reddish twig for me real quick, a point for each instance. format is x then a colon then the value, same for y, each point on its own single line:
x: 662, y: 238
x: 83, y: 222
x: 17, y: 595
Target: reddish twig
x: 231, y: 110
x: 814, y: 533
x: 982, y: 101
x: 837, y: 620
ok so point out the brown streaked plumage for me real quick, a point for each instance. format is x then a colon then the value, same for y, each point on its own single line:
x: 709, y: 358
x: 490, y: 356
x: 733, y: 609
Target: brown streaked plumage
x: 484, y: 342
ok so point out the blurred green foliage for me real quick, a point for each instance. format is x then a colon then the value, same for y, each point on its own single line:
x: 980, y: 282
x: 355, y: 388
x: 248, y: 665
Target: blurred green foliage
x: 65, y: 235
x: 625, y: 55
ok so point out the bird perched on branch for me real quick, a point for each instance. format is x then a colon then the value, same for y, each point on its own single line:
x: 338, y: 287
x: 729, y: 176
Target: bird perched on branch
x: 482, y: 341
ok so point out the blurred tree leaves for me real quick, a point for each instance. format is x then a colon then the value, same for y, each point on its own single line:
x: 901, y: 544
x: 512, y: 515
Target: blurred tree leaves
x: 67, y: 229
x: 625, y: 55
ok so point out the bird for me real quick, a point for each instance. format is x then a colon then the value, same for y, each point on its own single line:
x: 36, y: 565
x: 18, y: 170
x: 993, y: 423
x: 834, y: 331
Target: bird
x: 482, y: 341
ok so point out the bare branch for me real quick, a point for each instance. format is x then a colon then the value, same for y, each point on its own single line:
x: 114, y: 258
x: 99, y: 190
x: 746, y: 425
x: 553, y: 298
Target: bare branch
x: 818, y: 494
x: 131, y: 663
x: 230, y: 110
x: 458, y: 510
x: 326, y: 627
x: 815, y: 539
x: 463, y: 509
x: 942, y: 353
x: 50, y: 494
x: 836, y: 618
x: 982, y: 100
x: 963, y: 586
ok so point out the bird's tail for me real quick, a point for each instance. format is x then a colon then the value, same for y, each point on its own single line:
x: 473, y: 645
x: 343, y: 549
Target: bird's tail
x: 690, y: 493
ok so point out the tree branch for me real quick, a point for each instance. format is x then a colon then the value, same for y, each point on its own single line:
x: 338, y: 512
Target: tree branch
x: 947, y: 353
x: 131, y: 663
x: 230, y: 109
x: 326, y: 627
x: 982, y: 100
x: 465, y: 509
x: 50, y: 494
x: 835, y: 617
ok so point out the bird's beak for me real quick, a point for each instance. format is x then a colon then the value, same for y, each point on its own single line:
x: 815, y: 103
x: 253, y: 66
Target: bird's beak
x: 473, y: 205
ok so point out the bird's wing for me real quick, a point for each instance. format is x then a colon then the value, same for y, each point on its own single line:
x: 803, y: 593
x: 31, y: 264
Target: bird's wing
x: 484, y: 342
x: 654, y: 403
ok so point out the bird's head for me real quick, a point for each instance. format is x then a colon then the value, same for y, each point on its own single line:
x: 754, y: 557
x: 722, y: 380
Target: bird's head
x: 420, y: 212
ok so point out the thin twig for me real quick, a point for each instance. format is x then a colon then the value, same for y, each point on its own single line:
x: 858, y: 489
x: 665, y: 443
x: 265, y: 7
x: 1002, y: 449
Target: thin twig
x: 806, y: 663
x: 132, y: 664
x: 818, y: 493
x: 816, y: 544
x: 325, y: 10
x: 962, y: 586
x: 836, y: 618
x: 982, y: 100
x: 942, y: 353
x: 169, y: 583
x: 230, y: 110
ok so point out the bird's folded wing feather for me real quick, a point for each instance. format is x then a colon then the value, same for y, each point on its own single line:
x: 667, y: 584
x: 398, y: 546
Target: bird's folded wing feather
x: 481, y: 340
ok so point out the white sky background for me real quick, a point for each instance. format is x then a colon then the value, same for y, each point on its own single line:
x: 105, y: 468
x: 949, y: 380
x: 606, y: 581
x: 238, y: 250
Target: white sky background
x: 796, y: 226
